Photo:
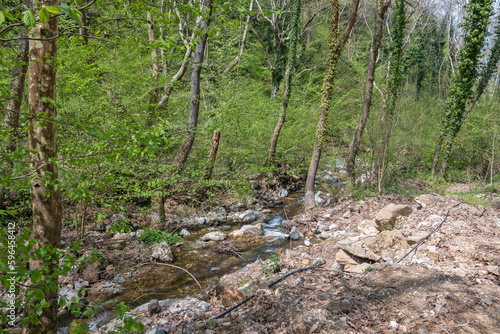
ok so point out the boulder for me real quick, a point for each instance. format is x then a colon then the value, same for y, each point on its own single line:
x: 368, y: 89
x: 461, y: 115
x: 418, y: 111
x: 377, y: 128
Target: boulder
x: 295, y: 234
x: 386, y: 218
x: 276, y: 221
x: 153, y: 307
x: 162, y: 252
x: 358, y: 269
x: 374, y: 248
x: 156, y: 330
x: 283, y: 193
x: 345, y: 259
x: 251, y: 216
x: 91, y: 272
x: 69, y: 294
x: 213, y: 236
x: 184, y: 232
x: 368, y: 227
x: 415, y: 238
x: 248, y: 230
x: 325, y: 235
x: 347, y: 214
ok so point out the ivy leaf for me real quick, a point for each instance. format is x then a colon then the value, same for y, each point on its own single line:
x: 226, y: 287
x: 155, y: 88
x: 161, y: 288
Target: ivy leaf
x: 44, y: 15
x: 53, y: 9
x: 29, y: 18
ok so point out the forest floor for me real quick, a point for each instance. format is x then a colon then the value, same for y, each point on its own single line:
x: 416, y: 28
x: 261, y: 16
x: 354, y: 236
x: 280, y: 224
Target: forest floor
x: 451, y: 284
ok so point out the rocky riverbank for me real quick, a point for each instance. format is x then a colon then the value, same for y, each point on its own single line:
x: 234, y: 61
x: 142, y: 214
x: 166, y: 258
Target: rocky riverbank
x: 451, y: 283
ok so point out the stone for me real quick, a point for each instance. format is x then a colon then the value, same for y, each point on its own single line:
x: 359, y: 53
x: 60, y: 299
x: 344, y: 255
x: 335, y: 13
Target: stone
x: 343, y: 258
x: 325, y: 235
x: 248, y: 230
x: 295, y: 234
x: 69, y: 294
x: 321, y: 228
x: 319, y: 261
x: 412, y: 240
x: 368, y: 227
x: 184, y: 232
x: 251, y: 216
x: 354, y: 209
x: 100, y: 227
x: 214, y: 236
x: 386, y: 218
x: 334, y: 212
x: 91, y: 272
x: 156, y: 330
x: 347, y: 214
x: 394, y: 325
x: 317, y: 198
x: 358, y: 269
x: 283, y: 193
x: 375, y: 248
x: 153, y: 307
x: 307, y: 242
x: 202, y: 220
x: 162, y: 252
x: 416, y: 206
x: 118, y: 279
x: 495, y: 270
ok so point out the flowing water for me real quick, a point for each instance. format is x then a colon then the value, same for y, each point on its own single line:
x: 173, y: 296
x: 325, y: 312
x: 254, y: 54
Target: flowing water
x: 204, y: 262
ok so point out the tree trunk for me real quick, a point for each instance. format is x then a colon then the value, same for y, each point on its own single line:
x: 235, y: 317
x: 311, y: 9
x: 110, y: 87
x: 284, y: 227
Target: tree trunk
x: 213, y: 154
x: 45, y: 197
x: 370, y: 77
x: 288, y: 79
x: 237, y: 59
x: 14, y: 103
x: 84, y: 28
x: 334, y: 52
x: 153, y: 98
x: 194, y: 105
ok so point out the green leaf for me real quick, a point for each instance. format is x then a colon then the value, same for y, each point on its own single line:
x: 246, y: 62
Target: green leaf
x: 8, y: 15
x: 73, y: 13
x: 36, y: 276
x: 44, y: 15
x: 53, y: 9
x: 29, y: 18
x: 2, y: 17
x: 38, y: 311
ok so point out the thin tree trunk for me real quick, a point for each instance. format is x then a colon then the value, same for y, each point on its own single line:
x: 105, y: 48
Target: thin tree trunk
x: 213, y: 154
x: 493, y: 155
x: 194, y: 105
x: 288, y: 80
x: 84, y: 28
x: 153, y: 98
x: 237, y: 59
x: 334, y: 52
x: 45, y: 197
x: 14, y: 103
x: 370, y: 78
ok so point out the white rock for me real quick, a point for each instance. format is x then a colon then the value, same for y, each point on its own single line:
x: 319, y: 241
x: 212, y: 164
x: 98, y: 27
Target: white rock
x: 162, y: 252
x: 394, y: 325
x: 213, y: 236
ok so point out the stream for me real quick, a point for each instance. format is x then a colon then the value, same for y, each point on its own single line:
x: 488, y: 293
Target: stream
x: 204, y: 262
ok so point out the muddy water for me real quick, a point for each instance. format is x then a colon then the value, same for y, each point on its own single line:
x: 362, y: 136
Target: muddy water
x: 204, y: 262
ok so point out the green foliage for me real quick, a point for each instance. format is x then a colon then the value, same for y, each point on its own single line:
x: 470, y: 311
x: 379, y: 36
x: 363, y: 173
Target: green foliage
x: 121, y: 226
x: 153, y: 236
x: 273, y: 266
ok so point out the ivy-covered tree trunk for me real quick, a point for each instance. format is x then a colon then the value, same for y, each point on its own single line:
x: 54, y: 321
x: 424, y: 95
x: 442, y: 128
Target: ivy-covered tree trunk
x: 45, y: 195
x: 370, y: 78
x: 153, y: 96
x: 194, y: 104
x: 396, y: 46
x: 13, y: 108
x: 461, y: 91
x: 292, y: 54
x: 334, y: 51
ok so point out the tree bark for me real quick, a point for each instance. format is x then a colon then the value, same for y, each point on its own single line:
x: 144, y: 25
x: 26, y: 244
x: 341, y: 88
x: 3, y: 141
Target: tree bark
x: 194, y: 105
x: 237, y: 59
x: 45, y: 197
x: 153, y: 98
x: 213, y: 154
x: 288, y: 79
x: 370, y: 78
x: 14, y: 103
x: 334, y: 52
